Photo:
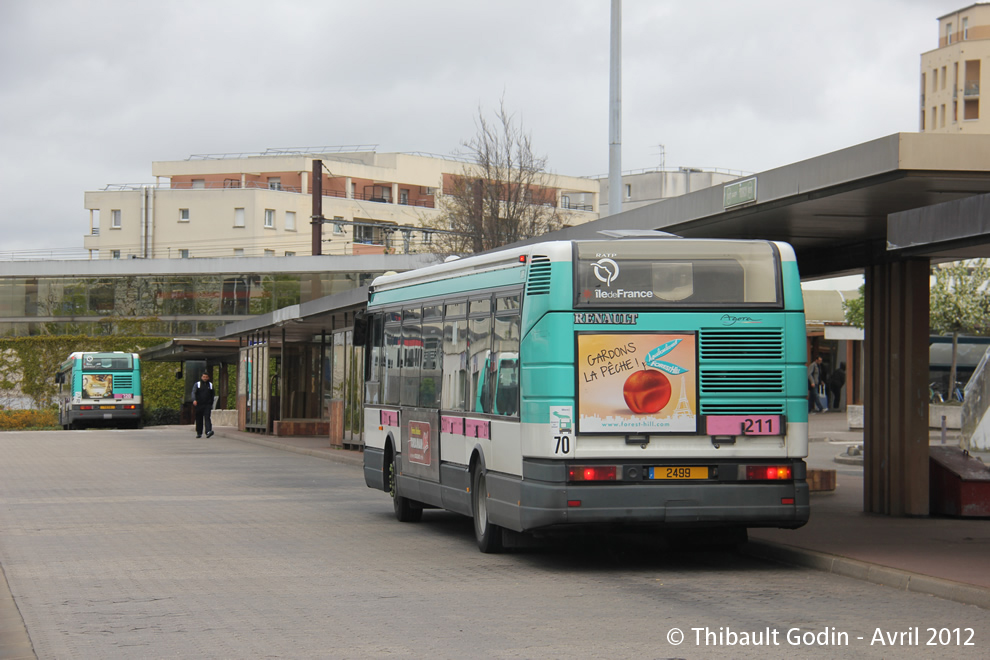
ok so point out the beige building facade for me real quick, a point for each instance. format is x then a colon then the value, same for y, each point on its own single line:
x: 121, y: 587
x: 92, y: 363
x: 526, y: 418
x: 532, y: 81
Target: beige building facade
x: 952, y: 74
x: 642, y: 187
x: 233, y: 205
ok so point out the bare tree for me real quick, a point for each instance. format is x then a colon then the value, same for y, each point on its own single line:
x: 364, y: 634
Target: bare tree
x: 502, y: 195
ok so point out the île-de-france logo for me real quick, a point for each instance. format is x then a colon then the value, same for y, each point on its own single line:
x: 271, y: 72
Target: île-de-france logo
x: 606, y: 270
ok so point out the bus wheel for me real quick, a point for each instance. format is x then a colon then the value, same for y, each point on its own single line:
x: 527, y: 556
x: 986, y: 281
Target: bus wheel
x: 405, y: 509
x: 489, y: 536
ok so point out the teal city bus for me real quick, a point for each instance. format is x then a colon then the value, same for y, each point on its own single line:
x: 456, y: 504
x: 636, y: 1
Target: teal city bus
x: 99, y: 389
x: 643, y: 381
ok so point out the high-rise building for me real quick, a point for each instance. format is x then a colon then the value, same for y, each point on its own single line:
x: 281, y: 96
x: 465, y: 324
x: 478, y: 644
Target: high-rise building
x: 951, y: 75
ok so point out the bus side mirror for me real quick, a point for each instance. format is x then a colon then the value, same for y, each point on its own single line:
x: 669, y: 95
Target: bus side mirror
x: 178, y: 374
x: 59, y: 379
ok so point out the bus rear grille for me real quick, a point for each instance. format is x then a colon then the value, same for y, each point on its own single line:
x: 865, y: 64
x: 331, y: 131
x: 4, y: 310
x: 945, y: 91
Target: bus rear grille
x: 539, y: 275
x: 123, y: 380
x: 752, y: 381
x: 742, y: 408
x: 718, y: 344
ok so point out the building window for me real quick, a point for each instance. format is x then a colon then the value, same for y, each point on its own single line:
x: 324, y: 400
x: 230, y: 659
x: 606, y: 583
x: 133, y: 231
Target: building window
x: 971, y: 109
x: 183, y: 254
x: 934, y: 80
x: 290, y: 220
x: 338, y: 226
x: 115, y: 219
x: 934, y: 117
x: 403, y: 196
x: 922, y: 119
x: 198, y: 184
x: 955, y: 111
x: 115, y: 254
x: 943, y: 77
x: 274, y: 183
x: 290, y: 254
x: 628, y: 191
x: 183, y: 215
x: 238, y: 217
x: 270, y: 218
x: 238, y: 252
x: 965, y: 29
x: 948, y: 33
x: 941, y: 121
x: 269, y: 253
x: 427, y: 237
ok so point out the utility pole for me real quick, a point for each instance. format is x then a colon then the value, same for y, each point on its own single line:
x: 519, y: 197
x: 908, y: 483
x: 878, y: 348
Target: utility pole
x: 615, y: 112
x: 316, y: 220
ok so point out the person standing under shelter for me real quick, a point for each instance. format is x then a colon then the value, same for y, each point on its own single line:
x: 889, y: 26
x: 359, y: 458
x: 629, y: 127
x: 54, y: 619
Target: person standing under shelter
x: 835, y: 384
x: 814, y: 379
x: 202, y: 396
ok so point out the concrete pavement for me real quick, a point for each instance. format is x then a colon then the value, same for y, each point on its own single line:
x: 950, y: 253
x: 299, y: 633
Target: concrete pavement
x: 944, y: 557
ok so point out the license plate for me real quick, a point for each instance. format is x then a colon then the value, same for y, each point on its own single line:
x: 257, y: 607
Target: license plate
x: 108, y: 407
x: 744, y: 425
x: 679, y: 472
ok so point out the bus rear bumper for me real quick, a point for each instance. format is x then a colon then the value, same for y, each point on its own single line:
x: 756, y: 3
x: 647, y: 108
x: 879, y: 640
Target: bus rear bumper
x: 545, y: 505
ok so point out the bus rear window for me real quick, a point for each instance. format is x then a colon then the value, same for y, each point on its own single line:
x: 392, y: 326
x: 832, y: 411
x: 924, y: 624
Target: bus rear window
x: 675, y: 272
x: 106, y: 363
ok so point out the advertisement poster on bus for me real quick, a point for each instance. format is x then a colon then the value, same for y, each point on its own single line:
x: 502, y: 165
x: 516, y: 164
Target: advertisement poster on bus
x: 419, y: 446
x: 637, y: 383
x: 97, y: 386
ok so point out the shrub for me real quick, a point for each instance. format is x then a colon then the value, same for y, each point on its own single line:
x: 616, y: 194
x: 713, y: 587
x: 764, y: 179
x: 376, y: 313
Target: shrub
x: 23, y: 420
x: 161, y: 416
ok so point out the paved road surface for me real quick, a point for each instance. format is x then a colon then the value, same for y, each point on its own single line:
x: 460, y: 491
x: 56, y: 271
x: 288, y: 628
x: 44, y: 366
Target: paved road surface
x: 151, y: 544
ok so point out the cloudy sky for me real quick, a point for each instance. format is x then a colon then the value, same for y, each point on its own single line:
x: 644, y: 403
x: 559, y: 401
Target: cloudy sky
x: 93, y: 91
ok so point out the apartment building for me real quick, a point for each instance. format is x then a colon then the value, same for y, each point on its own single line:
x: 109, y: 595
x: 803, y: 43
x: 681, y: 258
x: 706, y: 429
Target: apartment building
x: 260, y: 204
x: 952, y: 74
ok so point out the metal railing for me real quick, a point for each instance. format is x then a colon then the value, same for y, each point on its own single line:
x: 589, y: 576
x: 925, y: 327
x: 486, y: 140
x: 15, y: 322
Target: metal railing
x: 972, y: 89
x: 289, y: 151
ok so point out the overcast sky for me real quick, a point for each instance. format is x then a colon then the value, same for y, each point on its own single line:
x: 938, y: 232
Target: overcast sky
x: 93, y: 91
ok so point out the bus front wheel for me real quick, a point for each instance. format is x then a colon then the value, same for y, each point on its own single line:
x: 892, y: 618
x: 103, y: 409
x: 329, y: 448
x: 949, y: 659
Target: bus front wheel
x: 488, y: 535
x: 406, y: 510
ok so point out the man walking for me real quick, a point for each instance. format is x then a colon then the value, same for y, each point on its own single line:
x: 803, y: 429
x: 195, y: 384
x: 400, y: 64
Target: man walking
x: 203, y: 405
x: 814, y: 379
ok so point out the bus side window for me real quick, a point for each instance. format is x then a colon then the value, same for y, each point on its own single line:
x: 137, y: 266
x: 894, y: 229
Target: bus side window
x: 429, y: 385
x: 455, y: 359
x: 506, y: 357
x: 391, y: 368
x: 480, y: 367
x: 411, y: 357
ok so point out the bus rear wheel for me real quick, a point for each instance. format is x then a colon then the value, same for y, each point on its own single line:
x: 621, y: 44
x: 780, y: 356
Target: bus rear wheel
x: 488, y: 535
x: 406, y: 510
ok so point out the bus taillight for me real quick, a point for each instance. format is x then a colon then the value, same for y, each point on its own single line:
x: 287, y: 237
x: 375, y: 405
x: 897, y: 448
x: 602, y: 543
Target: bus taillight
x: 591, y: 473
x: 768, y: 472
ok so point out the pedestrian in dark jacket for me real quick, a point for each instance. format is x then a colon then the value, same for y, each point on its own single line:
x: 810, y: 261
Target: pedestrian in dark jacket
x: 202, y: 396
x: 835, y: 384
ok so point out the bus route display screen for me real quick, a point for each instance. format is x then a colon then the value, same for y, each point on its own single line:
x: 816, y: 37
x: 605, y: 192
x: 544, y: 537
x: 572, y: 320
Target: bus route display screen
x: 674, y: 272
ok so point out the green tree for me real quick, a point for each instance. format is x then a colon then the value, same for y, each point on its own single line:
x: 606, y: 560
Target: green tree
x: 855, y: 310
x: 503, y: 195
x: 960, y: 303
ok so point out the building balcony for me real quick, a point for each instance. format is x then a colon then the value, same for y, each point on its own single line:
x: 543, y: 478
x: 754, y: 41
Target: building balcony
x: 972, y: 89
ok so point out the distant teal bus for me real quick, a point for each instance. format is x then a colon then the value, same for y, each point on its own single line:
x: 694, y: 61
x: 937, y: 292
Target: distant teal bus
x: 99, y: 389
x: 655, y: 382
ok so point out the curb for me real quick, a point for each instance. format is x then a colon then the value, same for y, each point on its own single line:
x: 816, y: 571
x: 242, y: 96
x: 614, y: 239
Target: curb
x: 874, y: 573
